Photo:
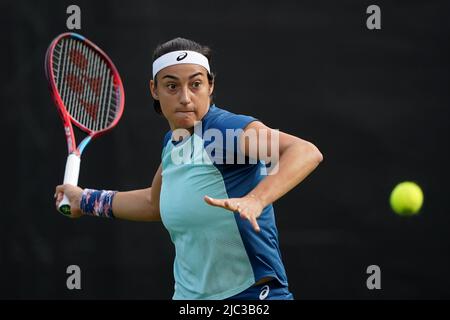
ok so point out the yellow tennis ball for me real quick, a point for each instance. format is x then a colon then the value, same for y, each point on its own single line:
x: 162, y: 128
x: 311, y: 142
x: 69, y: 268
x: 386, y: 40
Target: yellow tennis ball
x: 406, y: 198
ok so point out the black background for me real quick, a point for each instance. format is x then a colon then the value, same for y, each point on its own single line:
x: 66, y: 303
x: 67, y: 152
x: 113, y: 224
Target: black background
x: 375, y: 102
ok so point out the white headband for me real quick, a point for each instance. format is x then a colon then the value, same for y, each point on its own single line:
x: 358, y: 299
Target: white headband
x: 178, y: 57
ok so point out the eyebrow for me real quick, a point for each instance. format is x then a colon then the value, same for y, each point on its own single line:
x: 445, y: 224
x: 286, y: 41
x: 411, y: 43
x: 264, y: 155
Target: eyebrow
x: 176, y: 78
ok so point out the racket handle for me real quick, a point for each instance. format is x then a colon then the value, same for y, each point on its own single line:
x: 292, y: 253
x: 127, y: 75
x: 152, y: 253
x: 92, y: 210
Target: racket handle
x: 70, y: 177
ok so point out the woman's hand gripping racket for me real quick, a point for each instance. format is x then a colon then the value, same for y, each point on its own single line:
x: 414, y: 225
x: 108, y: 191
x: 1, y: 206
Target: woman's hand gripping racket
x: 88, y: 93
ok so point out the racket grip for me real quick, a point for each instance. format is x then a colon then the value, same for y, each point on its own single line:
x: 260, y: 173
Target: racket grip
x: 70, y: 177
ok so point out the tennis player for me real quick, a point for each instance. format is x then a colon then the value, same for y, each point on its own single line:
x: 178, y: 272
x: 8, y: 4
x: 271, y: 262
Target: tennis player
x: 217, y: 208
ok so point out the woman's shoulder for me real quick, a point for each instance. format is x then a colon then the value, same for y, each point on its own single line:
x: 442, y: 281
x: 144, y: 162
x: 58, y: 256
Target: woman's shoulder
x: 222, y: 118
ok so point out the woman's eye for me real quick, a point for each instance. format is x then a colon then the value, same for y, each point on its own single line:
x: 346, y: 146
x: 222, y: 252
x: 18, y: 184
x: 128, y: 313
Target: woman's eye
x: 196, y: 84
x: 171, y: 86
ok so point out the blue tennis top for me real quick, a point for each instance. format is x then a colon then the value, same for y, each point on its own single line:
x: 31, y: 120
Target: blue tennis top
x: 217, y: 253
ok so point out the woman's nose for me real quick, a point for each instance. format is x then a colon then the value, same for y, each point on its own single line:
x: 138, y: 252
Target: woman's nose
x: 184, y: 96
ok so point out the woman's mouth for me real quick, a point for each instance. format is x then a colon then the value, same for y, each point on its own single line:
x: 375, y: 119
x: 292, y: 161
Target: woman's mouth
x: 184, y: 112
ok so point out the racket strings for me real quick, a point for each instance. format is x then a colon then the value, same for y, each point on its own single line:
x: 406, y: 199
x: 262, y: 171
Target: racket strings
x: 86, y: 84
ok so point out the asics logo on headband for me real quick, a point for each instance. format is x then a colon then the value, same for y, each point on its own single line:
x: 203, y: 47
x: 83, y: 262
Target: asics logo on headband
x: 182, y: 56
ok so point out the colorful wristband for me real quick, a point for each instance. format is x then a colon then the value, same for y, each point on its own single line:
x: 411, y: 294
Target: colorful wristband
x: 97, y: 203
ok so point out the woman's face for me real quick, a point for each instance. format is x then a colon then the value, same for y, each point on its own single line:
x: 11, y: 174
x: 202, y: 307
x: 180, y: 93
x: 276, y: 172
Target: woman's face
x: 184, y: 93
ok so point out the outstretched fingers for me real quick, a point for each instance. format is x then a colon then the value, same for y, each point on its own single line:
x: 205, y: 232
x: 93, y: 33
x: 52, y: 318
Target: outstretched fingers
x: 235, y: 206
x: 223, y: 203
x: 245, y: 214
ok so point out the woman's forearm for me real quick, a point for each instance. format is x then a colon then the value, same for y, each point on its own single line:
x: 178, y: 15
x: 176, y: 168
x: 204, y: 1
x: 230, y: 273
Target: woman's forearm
x: 296, y: 162
x: 136, y: 205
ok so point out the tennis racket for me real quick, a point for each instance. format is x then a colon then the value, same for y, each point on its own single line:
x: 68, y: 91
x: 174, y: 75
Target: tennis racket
x: 88, y: 93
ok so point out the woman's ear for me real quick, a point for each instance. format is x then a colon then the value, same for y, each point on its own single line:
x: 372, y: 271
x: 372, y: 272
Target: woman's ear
x: 154, y: 90
x: 211, y: 88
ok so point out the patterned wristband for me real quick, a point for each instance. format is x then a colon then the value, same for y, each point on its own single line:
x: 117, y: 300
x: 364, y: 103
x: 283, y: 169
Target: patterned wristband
x: 97, y: 203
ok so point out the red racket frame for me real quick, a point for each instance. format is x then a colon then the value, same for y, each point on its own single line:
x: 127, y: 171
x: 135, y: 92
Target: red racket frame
x: 65, y: 116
